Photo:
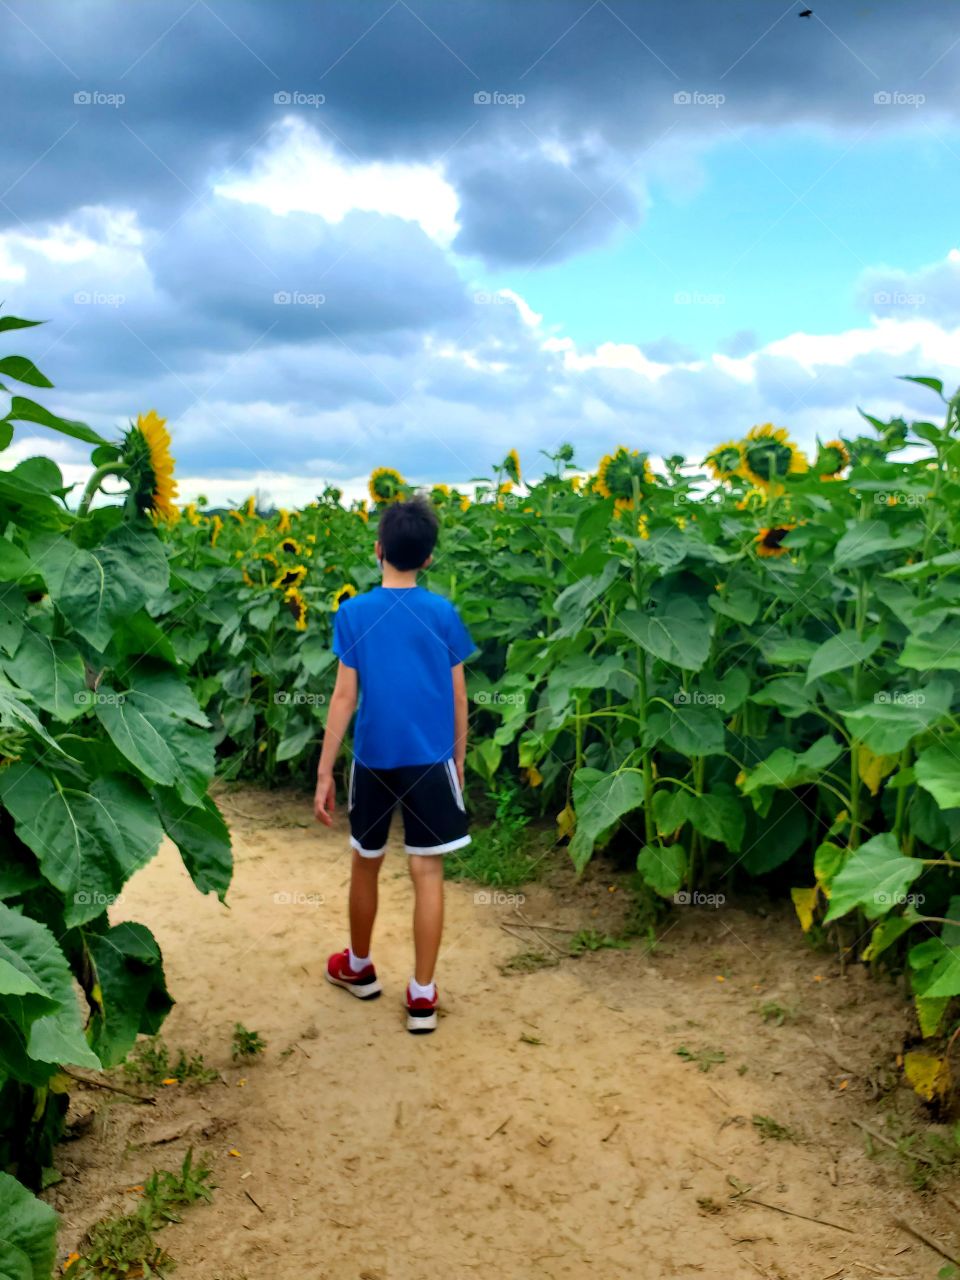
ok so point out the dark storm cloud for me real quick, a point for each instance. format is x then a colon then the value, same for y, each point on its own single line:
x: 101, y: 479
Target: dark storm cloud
x: 400, y: 80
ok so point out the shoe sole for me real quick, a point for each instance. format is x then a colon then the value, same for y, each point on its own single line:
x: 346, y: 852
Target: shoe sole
x: 421, y: 1025
x: 369, y: 991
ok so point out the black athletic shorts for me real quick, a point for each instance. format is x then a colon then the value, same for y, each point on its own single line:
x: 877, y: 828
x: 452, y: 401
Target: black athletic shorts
x: 429, y: 797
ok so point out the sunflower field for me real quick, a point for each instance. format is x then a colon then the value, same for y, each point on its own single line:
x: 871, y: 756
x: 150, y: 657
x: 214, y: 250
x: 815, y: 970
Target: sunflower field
x: 104, y: 750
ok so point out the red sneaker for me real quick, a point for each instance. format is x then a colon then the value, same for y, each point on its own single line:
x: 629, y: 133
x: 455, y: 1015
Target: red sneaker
x: 364, y: 985
x: 421, y: 1013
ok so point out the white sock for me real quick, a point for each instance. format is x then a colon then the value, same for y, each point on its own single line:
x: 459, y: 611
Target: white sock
x: 422, y: 993
x: 357, y: 962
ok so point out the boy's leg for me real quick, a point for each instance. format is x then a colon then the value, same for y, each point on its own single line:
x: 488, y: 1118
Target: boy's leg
x: 363, y: 901
x: 426, y: 872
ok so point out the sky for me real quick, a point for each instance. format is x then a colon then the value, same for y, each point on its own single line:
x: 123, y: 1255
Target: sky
x: 324, y: 237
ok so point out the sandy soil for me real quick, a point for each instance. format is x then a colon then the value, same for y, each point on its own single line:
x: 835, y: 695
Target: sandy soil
x: 549, y: 1129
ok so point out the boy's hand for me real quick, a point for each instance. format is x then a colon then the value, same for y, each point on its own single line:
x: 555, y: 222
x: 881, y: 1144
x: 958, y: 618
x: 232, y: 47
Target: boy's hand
x: 459, y: 767
x: 324, y: 799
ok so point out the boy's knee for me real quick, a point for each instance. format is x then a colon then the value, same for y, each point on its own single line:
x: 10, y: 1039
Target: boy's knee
x: 425, y: 867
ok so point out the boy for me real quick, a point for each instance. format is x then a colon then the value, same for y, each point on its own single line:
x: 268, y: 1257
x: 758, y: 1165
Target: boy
x: 406, y: 647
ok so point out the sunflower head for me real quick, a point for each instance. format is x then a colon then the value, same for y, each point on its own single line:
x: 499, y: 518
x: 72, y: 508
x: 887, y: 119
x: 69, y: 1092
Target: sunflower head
x: 341, y: 595
x: 464, y: 502
x: 362, y: 511
x: 769, y: 542
x: 290, y: 577
x: 439, y: 494
x: 511, y: 466
x: 832, y: 458
x: 236, y: 515
x: 386, y: 485
x: 291, y: 547
x: 191, y: 513
x: 216, y: 525
x: 250, y: 506
x: 283, y: 524
x: 616, y: 474
x: 769, y: 455
x: 146, y: 453
x: 295, y: 602
x: 725, y: 461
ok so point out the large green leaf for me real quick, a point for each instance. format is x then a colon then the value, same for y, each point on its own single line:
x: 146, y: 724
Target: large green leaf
x: 866, y: 539
x: 23, y: 370
x: 686, y: 727
x: 786, y: 768
x: 937, y: 770
x: 678, y: 633
x: 845, y: 649
x: 895, y: 717
x: 23, y: 410
x: 203, y: 838
x: 15, y: 714
x: 875, y: 878
x: 14, y: 563
x: 28, y: 1231
x: 94, y: 589
x: 937, y: 969
x: 49, y: 1026
x: 88, y: 842
x: 939, y: 651
x: 599, y: 801
x: 51, y: 671
x: 134, y: 997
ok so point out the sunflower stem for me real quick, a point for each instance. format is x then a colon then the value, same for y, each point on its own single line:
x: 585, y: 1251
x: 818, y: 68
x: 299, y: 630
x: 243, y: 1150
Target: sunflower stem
x: 96, y: 480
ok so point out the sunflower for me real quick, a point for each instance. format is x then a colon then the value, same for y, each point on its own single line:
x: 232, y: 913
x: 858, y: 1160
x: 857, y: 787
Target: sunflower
x: 237, y: 515
x: 386, y: 485
x: 576, y: 483
x: 247, y: 579
x: 616, y: 474
x: 216, y: 525
x: 341, y: 595
x: 291, y: 547
x: 146, y: 453
x: 439, y: 494
x: 832, y: 458
x: 464, y: 502
x: 271, y: 560
x: 769, y: 541
x: 725, y: 461
x: 311, y: 538
x: 362, y: 511
x: 284, y: 525
x: 290, y: 577
x: 297, y: 606
x: 191, y: 513
x: 250, y: 506
x: 770, y: 455
x: 511, y: 465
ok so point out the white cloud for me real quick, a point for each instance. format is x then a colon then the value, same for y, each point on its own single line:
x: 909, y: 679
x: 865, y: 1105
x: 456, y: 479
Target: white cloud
x: 300, y: 172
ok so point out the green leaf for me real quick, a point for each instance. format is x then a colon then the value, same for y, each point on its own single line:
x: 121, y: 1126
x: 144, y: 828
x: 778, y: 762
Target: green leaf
x: 95, y: 589
x: 942, y: 980
x: 15, y: 714
x: 691, y: 730
x: 893, y: 719
x: 88, y: 842
x: 671, y: 809
x: 23, y: 370
x: 742, y: 604
x: 846, y: 649
x: 28, y: 1227
x: 866, y: 539
x: 14, y: 563
x: 934, y: 383
x: 937, y: 770
x: 316, y: 655
x: 295, y: 743
x: 719, y: 815
x: 51, y: 1029
x: 203, y: 838
x: 938, y: 651
x: 886, y: 933
x: 786, y: 768
x: 134, y: 997
x: 788, y: 693
x: 22, y: 410
x: 14, y: 322
x: 875, y: 878
x: 51, y: 672
x: 678, y: 633
x: 600, y: 800
x: 663, y: 868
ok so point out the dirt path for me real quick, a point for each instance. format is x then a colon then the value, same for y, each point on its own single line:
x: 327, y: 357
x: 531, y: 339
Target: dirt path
x: 597, y: 1151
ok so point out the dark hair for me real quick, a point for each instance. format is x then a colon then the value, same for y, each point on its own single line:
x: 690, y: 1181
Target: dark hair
x: 408, y: 533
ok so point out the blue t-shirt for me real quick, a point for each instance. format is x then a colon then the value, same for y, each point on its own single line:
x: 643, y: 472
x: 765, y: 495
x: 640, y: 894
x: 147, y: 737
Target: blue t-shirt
x: 402, y: 641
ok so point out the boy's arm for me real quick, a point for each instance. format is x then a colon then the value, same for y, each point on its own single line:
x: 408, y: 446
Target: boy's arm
x: 459, y: 719
x: 343, y: 703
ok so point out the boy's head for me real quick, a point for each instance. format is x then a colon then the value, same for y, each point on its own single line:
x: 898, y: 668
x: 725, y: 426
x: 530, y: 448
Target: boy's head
x: 407, y: 534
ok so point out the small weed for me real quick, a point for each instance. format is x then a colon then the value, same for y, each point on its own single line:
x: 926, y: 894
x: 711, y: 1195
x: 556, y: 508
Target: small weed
x: 246, y: 1044
x: 149, y: 1064
x: 777, y: 1013
x: 771, y: 1129
x: 529, y: 962
x: 707, y: 1204
x: 527, y: 1039
x: 123, y: 1247
x: 925, y: 1155
x: 704, y: 1058
x: 504, y: 854
x: 591, y: 940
